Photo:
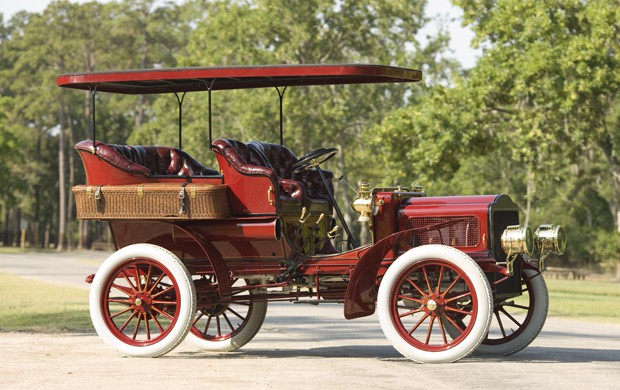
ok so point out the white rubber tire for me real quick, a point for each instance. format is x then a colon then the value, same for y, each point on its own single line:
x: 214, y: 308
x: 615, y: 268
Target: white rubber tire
x: 482, y: 292
x: 250, y: 328
x: 185, y: 288
x: 539, y: 298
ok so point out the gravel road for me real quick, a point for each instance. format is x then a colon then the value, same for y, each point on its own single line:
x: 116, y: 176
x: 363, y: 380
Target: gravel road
x: 299, y: 346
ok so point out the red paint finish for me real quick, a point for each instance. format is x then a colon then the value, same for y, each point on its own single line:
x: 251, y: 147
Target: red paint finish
x: 147, y: 81
x: 361, y: 290
x: 468, y: 208
x: 385, y: 222
x: 249, y: 194
x: 176, y: 239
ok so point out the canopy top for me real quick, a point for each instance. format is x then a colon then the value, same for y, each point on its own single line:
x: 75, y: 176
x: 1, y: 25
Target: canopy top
x: 151, y: 81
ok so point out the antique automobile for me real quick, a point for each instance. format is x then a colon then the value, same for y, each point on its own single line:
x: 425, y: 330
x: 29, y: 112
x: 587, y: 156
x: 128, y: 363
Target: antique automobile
x: 201, y: 251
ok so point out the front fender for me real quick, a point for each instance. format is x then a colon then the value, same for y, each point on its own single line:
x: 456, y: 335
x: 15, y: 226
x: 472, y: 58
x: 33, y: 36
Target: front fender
x: 360, y: 297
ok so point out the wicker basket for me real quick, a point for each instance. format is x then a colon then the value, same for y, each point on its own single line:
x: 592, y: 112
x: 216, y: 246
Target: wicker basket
x: 152, y: 201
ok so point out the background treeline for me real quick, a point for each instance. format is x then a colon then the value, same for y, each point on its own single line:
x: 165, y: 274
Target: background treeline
x: 538, y: 117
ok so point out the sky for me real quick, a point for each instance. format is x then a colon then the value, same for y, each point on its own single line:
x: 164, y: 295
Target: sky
x: 442, y: 12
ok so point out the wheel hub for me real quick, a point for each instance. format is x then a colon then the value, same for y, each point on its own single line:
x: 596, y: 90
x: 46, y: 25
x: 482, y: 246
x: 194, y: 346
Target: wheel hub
x: 434, y: 304
x: 142, y: 302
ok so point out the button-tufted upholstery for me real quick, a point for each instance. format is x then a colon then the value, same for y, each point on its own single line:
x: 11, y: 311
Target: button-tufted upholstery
x: 148, y: 160
x: 260, y: 158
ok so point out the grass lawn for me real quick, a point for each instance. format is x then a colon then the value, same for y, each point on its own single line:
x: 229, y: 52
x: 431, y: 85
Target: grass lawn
x: 590, y: 300
x: 28, y: 305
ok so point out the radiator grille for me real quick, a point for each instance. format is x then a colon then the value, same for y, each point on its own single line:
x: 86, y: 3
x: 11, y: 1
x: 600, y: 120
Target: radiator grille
x: 464, y: 233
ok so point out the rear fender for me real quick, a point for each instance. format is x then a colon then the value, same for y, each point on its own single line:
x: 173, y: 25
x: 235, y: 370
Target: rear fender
x: 187, y: 244
x: 215, y: 259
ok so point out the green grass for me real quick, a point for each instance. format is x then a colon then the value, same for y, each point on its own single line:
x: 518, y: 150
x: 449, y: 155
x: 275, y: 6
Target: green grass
x: 27, y: 305
x: 597, y: 301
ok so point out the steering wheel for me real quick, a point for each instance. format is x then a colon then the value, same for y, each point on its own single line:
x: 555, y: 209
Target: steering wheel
x: 313, y: 159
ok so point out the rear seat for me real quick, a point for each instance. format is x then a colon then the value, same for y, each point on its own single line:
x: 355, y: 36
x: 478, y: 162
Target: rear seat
x: 147, y: 160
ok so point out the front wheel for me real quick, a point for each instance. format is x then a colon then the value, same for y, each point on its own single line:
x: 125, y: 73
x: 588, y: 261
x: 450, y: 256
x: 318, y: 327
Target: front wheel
x: 518, y: 321
x: 428, y: 289
x: 142, y: 301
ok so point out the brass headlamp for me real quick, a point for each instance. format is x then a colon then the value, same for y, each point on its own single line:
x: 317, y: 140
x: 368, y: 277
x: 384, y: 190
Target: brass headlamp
x: 549, y: 239
x: 518, y: 240
x: 546, y: 240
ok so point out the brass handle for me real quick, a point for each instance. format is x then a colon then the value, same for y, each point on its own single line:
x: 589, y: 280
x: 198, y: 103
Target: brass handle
x: 270, y: 198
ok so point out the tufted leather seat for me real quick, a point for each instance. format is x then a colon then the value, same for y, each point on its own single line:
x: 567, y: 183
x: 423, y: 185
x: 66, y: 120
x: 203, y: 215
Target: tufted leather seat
x: 148, y: 160
x: 261, y: 158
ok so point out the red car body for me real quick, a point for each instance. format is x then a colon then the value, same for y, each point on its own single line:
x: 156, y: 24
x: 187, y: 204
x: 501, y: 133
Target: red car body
x: 265, y: 240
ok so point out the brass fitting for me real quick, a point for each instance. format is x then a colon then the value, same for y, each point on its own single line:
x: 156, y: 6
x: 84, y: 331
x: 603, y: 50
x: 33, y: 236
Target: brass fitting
x: 362, y: 204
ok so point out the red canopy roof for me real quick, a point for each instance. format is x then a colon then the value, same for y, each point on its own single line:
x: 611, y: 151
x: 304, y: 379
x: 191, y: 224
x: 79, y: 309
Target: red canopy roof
x: 147, y: 81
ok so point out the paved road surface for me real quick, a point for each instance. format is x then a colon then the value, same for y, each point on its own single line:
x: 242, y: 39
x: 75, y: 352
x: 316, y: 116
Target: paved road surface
x: 299, y: 347
x: 69, y: 268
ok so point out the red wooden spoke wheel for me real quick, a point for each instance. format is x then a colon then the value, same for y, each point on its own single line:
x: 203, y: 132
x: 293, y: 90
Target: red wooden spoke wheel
x: 427, y: 290
x: 518, y: 321
x: 142, y: 300
x: 226, y: 326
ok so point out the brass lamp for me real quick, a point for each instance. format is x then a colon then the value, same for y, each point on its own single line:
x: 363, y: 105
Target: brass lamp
x: 550, y: 239
x: 517, y: 240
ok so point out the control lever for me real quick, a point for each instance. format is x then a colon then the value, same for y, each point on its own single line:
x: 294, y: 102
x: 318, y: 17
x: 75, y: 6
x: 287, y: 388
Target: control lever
x: 333, y: 233
x: 304, y: 217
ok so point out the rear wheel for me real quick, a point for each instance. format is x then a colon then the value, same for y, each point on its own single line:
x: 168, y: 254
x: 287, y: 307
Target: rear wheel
x: 428, y: 289
x: 518, y: 321
x: 227, y: 326
x: 142, y: 301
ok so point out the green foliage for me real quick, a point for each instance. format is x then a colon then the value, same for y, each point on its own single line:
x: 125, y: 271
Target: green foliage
x: 537, y: 118
x: 295, y: 31
x: 606, y: 249
x: 45, y: 121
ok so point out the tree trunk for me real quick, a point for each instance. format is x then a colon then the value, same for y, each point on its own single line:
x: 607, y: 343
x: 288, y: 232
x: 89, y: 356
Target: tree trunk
x: 605, y: 142
x: 531, y: 179
x: 46, y: 240
x: 5, y: 239
x: 18, y: 218
x: 139, y: 111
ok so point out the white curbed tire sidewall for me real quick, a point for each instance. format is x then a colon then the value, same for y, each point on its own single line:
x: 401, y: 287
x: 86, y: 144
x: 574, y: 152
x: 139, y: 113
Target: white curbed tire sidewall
x: 482, y: 292
x: 540, y: 295
x: 186, y: 291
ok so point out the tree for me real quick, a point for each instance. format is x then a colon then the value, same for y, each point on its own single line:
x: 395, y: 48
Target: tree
x: 64, y: 38
x: 538, y: 107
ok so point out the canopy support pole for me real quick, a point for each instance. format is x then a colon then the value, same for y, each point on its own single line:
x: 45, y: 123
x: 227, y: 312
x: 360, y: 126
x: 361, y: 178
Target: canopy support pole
x: 93, y: 123
x: 180, y: 103
x: 209, y: 86
x: 281, y: 96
